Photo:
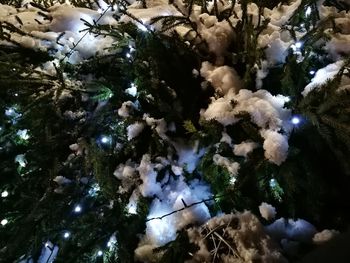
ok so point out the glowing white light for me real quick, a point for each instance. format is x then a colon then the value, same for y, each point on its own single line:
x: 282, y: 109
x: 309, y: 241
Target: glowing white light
x: 105, y: 139
x: 48, y: 244
x: 312, y: 72
x: 4, y: 222
x: 298, y: 45
x: 99, y: 253
x: 132, y: 90
x: 66, y: 235
x: 128, y: 55
x: 308, y: 11
x: 77, y: 209
x: 4, y: 194
x: 16, y: 94
x: 295, y: 120
x: 272, y: 182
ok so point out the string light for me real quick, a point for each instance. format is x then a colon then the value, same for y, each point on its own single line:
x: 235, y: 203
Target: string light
x: 4, y: 222
x: 4, y: 194
x: 295, y: 120
x: 77, y: 209
x: 128, y: 55
x: 66, y: 235
x: 99, y: 253
x: 105, y: 139
x: 272, y: 182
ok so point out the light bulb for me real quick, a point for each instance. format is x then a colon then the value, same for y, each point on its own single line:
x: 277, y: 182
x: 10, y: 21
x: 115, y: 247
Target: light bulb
x: 272, y: 182
x: 128, y: 55
x: 295, y: 120
x: 77, y: 209
x: 99, y: 253
x: 4, y: 222
x: 4, y: 194
x: 105, y: 139
x: 66, y: 235
x: 312, y: 72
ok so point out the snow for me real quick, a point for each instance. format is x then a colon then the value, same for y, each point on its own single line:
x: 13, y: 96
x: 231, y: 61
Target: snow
x: 299, y: 230
x: 222, y: 78
x: 244, y: 234
x: 232, y: 167
x: 244, y: 148
x: 267, y: 211
x: 322, y: 75
x: 266, y: 111
x: 148, y: 175
x: 126, y: 109
x: 133, y: 130
x: 275, y: 146
x: 324, y: 236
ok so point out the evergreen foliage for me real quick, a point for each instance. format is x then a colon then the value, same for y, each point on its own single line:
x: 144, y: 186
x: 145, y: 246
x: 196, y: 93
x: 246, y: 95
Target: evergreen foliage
x: 67, y: 126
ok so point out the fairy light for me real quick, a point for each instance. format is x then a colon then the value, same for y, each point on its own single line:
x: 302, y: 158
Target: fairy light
x: 295, y: 120
x: 77, y: 209
x: 105, y: 139
x: 66, y: 235
x: 4, y: 222
x: 4, y: 194
x: 99, y: 253
x: 272, y: 182
x: 312, y: 72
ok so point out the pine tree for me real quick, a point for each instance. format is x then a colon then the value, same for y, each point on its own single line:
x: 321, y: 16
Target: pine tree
x: 68, y: 136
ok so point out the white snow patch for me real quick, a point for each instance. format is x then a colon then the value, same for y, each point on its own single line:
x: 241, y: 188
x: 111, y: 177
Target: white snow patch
x: 244, y: 148
x: 222, y: 78
x: 267, y: 211
x: 322, y: 75
x: 324, y: 236
x: 135, y: 129
x: 275, y: 146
